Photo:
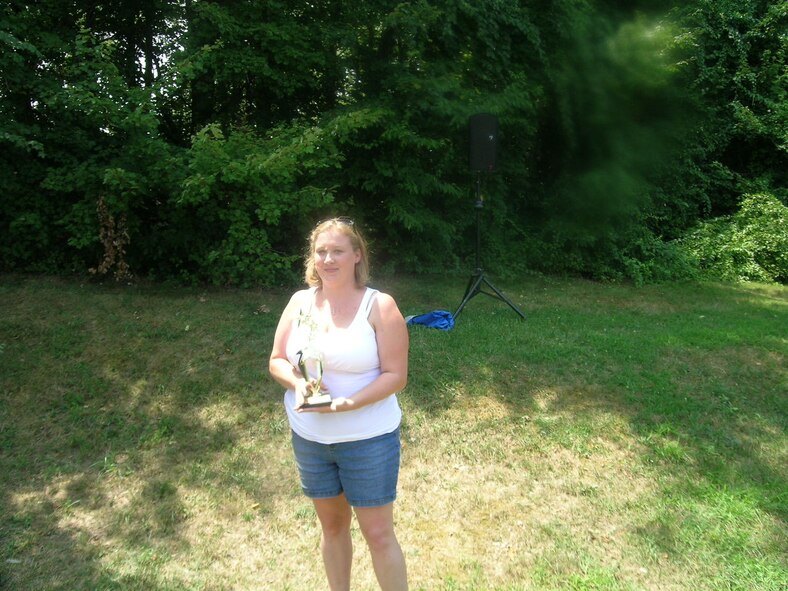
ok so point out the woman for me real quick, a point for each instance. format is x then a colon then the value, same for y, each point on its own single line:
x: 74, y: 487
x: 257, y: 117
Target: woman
x: 348, y: 452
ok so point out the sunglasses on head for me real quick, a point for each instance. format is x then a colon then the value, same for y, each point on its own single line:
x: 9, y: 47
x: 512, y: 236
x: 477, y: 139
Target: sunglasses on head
x: 344, y: 220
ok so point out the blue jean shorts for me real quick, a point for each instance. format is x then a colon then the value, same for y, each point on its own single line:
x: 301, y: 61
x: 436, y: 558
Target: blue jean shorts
x: 366, y: 471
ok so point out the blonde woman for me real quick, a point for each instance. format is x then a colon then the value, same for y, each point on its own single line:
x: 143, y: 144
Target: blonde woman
x: 348, y: 450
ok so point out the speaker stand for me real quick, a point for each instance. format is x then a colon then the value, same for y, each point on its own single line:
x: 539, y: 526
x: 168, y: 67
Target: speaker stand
x: 478, y: 278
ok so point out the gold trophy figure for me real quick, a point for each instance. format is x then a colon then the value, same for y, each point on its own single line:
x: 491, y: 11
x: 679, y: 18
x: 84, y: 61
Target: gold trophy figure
x: 310, y: 362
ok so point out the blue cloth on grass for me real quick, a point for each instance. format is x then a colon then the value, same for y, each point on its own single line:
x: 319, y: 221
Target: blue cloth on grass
x: 440, y: 319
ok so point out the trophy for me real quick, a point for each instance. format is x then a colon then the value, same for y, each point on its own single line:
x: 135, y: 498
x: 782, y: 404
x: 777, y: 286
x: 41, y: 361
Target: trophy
x: 310, y: 363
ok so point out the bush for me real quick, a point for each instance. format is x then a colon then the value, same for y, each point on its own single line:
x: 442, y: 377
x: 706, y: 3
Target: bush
x: 750, y: 245
x: 249, y: 191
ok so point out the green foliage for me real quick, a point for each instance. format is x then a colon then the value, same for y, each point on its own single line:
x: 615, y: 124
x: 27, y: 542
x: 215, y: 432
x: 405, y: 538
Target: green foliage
x: 216, y: 133
x: 259, y: 63
x: 244, y: 190
x: 750, y: 245
x: 614, y: 123
x: 99, y: 143
x: 116, y: 153
x: 735, y: 61
x: 432, y: 68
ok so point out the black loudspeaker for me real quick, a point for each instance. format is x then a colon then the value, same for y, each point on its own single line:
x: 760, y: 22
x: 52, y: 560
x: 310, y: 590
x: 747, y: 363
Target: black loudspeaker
x: 484, y: 140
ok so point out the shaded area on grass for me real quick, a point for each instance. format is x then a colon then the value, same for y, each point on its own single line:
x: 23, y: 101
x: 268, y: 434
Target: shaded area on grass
x: 117, y: 402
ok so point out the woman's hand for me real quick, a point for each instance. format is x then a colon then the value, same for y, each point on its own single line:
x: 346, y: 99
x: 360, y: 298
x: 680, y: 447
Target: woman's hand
x: 302, y: 391
x: 339, y: 404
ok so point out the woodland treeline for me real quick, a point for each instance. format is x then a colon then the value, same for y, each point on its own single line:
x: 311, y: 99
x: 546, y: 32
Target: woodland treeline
x: 198, y: 141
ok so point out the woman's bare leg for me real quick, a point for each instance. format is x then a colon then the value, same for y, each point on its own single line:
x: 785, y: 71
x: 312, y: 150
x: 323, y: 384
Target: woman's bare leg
x: 336, y: 545
x: 377, y: 525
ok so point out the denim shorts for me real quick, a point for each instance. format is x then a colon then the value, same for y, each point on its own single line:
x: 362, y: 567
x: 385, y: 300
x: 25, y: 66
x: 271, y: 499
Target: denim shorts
x: 366, y: 471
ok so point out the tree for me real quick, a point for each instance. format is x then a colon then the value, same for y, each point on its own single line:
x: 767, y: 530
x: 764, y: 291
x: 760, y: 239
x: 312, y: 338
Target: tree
x: 737, y: 66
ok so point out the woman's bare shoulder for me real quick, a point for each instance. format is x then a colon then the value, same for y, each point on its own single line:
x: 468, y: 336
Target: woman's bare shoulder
x: 384, y: 306
x: 302, y: 295
x: 298, y: 301
x: 382, y: 298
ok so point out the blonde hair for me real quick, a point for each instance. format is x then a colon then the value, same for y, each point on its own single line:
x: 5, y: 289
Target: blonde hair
x: 344, y: 226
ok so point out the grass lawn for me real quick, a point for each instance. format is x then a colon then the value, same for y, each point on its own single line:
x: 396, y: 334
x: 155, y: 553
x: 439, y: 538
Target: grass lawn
x: 619, y: 438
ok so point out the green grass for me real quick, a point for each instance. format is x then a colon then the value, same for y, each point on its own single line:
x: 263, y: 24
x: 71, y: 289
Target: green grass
x: 618, y: 439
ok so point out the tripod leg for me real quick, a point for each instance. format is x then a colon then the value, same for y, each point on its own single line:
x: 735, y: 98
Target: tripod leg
x: 472, y: 290
x: 503, y: 297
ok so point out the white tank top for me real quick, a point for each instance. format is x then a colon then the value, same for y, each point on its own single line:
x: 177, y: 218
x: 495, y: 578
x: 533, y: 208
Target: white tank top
x: 350, y: 362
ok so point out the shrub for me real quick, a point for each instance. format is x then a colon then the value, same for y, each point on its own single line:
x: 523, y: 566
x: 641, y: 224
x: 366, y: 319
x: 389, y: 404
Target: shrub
x: 750, y: 245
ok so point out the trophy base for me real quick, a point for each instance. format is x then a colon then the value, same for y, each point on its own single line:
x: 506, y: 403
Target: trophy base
x: 317, y: 401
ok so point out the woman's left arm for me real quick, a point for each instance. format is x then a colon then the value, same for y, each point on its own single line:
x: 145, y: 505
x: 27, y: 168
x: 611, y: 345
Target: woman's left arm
x: 391, y: 334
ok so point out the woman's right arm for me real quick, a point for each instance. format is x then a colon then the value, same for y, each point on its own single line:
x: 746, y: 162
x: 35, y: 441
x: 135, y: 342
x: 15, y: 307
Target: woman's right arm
x: 279, y: 365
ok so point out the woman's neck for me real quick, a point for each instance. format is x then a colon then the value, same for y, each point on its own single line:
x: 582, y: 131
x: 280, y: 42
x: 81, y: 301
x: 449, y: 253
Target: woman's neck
x: 334, y: 293
x: 339, y: 305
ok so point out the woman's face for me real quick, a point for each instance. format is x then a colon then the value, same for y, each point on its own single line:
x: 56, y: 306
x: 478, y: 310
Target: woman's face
x: 335, y: 259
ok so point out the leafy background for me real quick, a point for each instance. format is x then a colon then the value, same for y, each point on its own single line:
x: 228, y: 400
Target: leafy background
x: 197, y: 141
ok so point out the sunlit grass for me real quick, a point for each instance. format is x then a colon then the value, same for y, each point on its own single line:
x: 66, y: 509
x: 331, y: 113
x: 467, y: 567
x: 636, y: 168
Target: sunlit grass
x: 617, y: 439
